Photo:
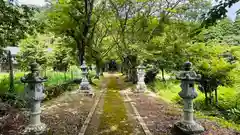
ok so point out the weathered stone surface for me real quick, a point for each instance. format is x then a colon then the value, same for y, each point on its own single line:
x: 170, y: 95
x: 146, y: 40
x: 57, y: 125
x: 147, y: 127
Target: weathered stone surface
x: 34, y: 91
x: 141, y: 86
x: 40, y: 129
x: 4, y: 107
x: 189, y: 128
x: 188, y: 93
x: 85, y: 86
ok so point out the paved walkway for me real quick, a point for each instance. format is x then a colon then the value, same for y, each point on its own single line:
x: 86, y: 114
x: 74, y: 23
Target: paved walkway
x: 114, y: 115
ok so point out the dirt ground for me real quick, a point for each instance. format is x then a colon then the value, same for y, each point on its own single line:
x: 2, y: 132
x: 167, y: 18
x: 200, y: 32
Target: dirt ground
x: 63, y: 115
x: 161, y: 116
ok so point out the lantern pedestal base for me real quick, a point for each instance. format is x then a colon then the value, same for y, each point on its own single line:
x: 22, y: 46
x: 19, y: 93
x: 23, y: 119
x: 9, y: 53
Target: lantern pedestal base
x: 141, y: 87
x: 189, y: 128
x: 86, y: 89
x: 38, y: 129
x: 87, y: 92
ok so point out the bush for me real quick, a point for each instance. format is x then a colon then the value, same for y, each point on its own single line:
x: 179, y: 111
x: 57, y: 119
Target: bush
x: 151, y: 75
x: 167, y: 90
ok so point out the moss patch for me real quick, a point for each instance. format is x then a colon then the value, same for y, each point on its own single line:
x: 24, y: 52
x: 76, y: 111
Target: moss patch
x: 114, y: 120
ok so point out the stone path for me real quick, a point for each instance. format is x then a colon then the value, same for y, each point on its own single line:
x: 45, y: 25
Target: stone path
x: 114, y: 115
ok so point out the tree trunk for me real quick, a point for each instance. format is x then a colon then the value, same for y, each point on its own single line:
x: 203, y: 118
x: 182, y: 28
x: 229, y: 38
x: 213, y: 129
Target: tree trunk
x: 211, y: 98
x: 163, y: 78
x: 122, y: 69
x: 128, y: 75
x: 132, y: 59
x: 124, y: 66
x: 81, y: 50
x: 206, y: 97
x: 97, y: 69
x: 81, y: 56
x: 134, y: 75
x: 216, y: 97
x: 11, y: 76
x: 101, y: 71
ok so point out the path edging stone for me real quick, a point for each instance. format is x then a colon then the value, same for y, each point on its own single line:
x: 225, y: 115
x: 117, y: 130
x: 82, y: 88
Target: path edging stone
x: 140, y: 119
x: 88, y: 120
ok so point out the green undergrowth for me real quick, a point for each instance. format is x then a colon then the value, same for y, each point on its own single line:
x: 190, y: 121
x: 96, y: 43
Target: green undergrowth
x: 98, y: 83
x: 54, y: 78
x: 114, y: 120
x: 55, y: 91
x: 57, y: 83
x: 229, y: 98
x: 222, y: 121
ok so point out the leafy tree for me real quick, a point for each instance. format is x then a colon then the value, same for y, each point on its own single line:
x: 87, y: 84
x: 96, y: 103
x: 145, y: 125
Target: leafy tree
x: 218, y: 12
x: 214, y: 68
x: 33, y: 48
x: 73, y: 19
x: 224, y: 32
x: 193, y: 10
x: 99, y: 45
x: 16, y: 21
x: 61, y: 55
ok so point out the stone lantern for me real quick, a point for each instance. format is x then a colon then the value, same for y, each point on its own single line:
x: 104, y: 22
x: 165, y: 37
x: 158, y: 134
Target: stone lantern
x: 188, y: 93
x: 141, y: 86
x: 35, y: 95
x: 84, y: 85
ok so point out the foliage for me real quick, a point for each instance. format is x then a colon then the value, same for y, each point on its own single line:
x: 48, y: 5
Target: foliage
x: 33, y: 48
x: 56, y: 81
x: 74, y: 20
x: 209, y: 62
x: 16, y: 21
x: 61, y: 56
x: 218, y: 12
x: 224, y: 32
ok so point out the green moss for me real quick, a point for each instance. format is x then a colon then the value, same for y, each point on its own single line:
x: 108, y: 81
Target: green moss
x: 114, y: 120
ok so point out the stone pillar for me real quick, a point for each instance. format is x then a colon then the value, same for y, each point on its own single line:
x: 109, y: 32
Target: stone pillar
x: 84, y: 85
x: 141, y: 86
x: 188, y: 93
x: 34, y: 89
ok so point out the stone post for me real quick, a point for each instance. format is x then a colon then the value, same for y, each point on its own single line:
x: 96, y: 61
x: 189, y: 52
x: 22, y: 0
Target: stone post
x: 188, y: 93
x: 141, y: 86
x: 84, y: 85
x: 34, y: 89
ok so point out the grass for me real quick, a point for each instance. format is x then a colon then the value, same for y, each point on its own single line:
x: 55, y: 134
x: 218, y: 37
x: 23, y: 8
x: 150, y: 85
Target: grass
x: 114, y: 120
x: 54, y: 78
x: 167, y: 91
x: 4, y: 82
x: 57, y: 83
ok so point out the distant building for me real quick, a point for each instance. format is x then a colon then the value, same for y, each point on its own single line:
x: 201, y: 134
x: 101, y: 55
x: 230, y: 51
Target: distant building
x: 4, y: 65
